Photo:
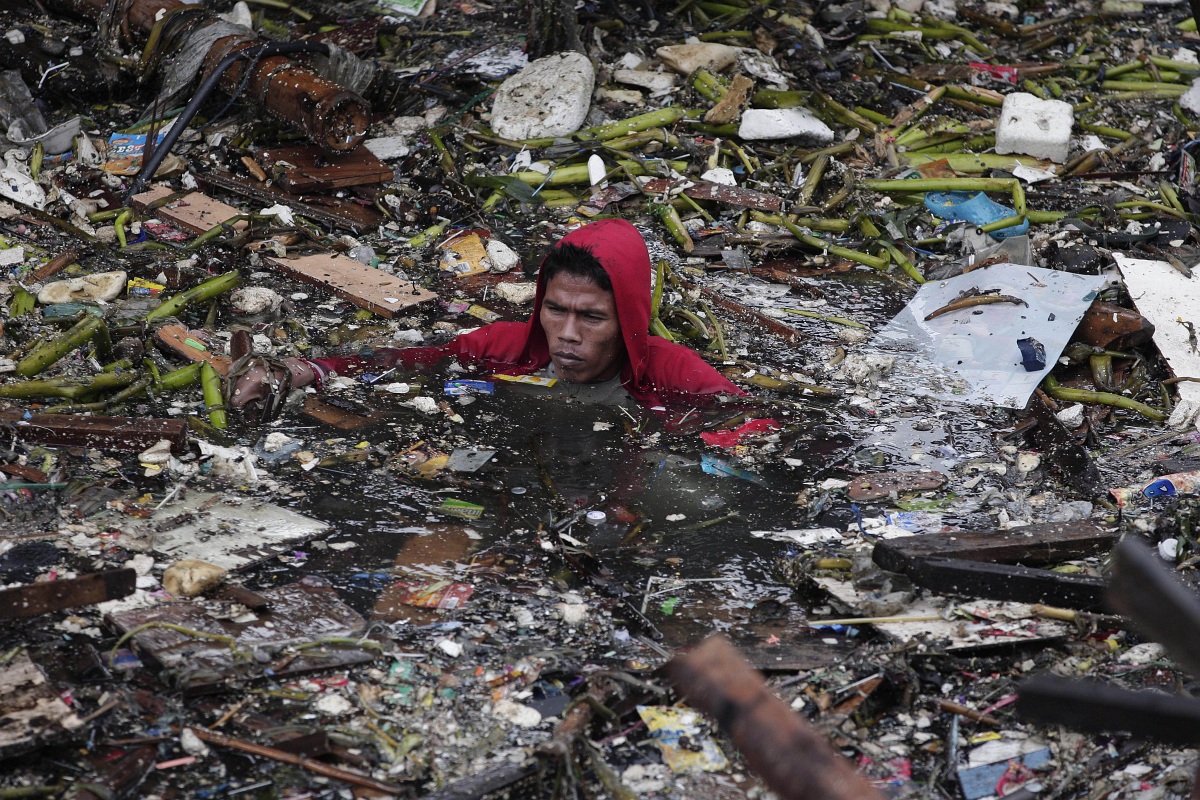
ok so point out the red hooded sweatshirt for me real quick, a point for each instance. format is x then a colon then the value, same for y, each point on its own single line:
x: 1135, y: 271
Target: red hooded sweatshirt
x: 656, y: 372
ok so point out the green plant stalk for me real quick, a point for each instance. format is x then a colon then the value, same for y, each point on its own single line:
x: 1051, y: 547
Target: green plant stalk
x: 660, y: 276
x: 635, y: 140
x: 963, y: 93
x: 718, y: 331
x: 750, y: 164
x: 197, y: 294
x: 779, y: 98
x: 49, y: 352
x: 841, y: 195
x: 136, y: 389
x: 22, y: 303
x: 846, y: 115
x: 35, y: 160
x: 431, y: 233
x: 971, y: 163
x: 831, y: 150
x: 68, y: 388
x: 662, y: 118
x: 1001, y: 224
x: 834, y: 249
x: 940, y: 185
x: 709, y: 86
x: 1058, y: 392
x: 873, y: 115
x: 827, y: 225
x: 1176, y: 66
x: 692, y: 320
x: 1144, y: 87
x: 907, y: 266
x: 1104, y: 130
x: 1170, y: 197
x: 657, y: 328
x: 1035, y: 90
x: 1151, y: 204
x: 119, y: 226
x: 826, y: 318
x: 176, y: 379
x: 214, y: 401
x: 670, y: 218
x: 577, y: 174
x: 812, y: 180
x: 18, y: 792
x: 220, y: 228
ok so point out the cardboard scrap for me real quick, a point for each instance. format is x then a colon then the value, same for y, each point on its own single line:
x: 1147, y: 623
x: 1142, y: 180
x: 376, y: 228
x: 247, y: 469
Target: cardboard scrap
x: 300, y: 613
x: 372, y: 289
x: 229, y: 532
x: 31, y: 712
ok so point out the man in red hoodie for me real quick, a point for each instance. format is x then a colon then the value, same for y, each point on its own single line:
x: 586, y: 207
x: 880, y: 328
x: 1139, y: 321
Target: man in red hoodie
x: 589, y: 329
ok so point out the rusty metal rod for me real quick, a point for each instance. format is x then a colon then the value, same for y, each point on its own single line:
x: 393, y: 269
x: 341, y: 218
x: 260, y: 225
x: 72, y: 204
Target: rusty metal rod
x: 791, y: 756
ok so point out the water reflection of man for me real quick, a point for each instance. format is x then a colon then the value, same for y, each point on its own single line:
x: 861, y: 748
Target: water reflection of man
x: 589, y: 330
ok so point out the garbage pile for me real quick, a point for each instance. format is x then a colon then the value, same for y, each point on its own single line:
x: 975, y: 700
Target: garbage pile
x: 946, y: 248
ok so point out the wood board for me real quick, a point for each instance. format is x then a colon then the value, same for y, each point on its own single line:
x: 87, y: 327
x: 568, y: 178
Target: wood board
x: 307, y: 168
x: 105, y: 433
x: 195, y: 211
x: 365, y: 287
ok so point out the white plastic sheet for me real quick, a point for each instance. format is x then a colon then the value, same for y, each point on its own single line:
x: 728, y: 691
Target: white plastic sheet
x: 971, y: 355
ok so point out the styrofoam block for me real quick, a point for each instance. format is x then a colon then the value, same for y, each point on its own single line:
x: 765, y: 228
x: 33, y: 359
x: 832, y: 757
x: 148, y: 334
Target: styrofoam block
x: 1035, y: 127
x: 784, y: 123
x: 1191, y: 98
x: 550, y: 97
x: 654, y: 81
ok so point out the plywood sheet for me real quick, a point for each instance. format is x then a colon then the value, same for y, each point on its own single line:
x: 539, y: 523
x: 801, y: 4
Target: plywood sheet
x: 195, y: 212
x: 366, y: 287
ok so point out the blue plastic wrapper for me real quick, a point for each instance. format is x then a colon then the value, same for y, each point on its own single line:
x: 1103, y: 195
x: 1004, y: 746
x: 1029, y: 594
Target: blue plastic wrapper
x: 461, y: 387
x: 1033, y: 354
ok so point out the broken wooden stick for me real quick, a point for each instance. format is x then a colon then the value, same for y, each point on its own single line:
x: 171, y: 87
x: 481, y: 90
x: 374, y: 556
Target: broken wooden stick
x: 794, y: 760
x: 310, y: 764
x: 40, y: 598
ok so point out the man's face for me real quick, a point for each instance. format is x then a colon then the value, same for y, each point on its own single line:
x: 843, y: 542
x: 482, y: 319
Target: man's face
x: 582, y: 329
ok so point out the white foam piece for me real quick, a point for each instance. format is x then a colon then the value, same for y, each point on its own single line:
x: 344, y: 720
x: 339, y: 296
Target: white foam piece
x: 550, y: 97
x: 654, y: 81
x: 784, y: 123
x: 1191, y: 98
x: 1035, y: 127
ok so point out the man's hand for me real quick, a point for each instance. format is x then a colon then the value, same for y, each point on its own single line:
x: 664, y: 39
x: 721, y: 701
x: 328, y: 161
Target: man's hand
x: 254, y: 387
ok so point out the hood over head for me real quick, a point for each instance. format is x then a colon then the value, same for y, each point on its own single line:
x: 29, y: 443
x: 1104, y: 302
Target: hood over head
x: 621, y: 250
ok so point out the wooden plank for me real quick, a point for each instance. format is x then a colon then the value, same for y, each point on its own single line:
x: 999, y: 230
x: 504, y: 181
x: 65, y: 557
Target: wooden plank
x: 176, y: 339
x: 729, y: 195
x: 307, y: 168
x: 195, y: 212
x: 879, y: 485
x: 1032, y: 545
x: 339, y: 418
x: 34, y: 599
x: 956, y: 576
x: 105, y: 433
x: 346, y: 214
x: 1100, y: 708
x: 372, y: 289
